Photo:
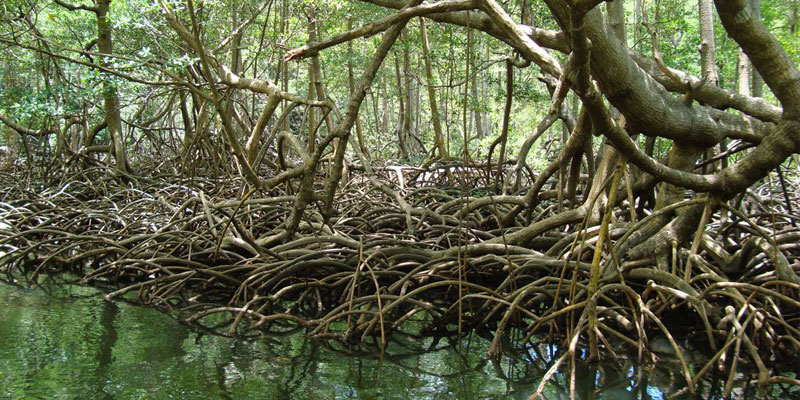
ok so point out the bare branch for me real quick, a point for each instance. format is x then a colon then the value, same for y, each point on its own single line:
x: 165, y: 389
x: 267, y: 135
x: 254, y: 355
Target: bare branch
x: 380, y: 25
x: 527, y: 47
x: 73, y: 7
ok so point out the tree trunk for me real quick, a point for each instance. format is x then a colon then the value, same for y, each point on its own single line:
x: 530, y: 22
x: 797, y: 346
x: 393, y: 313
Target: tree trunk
x: 525, y: 9
x: 477, y: 111
x: 111, y: 106
x: 616, y: 19
x: 319, y: 88
x: 401, y: 132
x: 438, y: 136
x: 743, y: 74
x: 757, y: 80
x: 284, y: 64
x: 312, y: 123
x: 465, y: 127
x: 384, y: 128
x: 708, y: 59
x: 351, y: 83
x: 408, y: 98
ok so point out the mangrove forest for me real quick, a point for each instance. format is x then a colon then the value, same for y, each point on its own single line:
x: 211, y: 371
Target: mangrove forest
x: 615, y: 179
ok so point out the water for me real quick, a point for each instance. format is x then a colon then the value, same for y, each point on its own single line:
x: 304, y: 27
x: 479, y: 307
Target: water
x: 65, y: 342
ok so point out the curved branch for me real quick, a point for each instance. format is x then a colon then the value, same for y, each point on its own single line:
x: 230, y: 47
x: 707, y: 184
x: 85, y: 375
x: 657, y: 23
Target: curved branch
x: 313, y: 48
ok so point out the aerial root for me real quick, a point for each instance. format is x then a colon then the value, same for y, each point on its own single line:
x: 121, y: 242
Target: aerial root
x: 221, y: 260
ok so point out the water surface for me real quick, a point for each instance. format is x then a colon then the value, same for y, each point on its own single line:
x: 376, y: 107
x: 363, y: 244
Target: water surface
x: 66, y: 342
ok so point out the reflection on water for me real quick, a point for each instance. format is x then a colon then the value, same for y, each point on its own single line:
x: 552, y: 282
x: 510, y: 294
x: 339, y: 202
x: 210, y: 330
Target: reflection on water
x: 68, y: 343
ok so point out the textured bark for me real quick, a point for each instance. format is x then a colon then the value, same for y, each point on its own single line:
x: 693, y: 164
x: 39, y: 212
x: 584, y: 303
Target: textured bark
x: 711, y: 95
x: 643, y: 101
x: 319, y: 87
x: 284, y: 65
x: 236, y: 42
x: 502, y: 140
x: 667, y: 229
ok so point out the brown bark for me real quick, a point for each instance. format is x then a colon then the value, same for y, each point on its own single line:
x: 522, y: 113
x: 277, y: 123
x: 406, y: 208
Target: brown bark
x: 543, y: 37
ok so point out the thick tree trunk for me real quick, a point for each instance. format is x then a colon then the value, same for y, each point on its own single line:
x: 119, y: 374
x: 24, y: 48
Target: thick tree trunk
x: 608, y: 155
x: 708, y: 50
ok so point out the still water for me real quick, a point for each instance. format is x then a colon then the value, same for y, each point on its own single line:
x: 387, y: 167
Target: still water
x: 66, y: 342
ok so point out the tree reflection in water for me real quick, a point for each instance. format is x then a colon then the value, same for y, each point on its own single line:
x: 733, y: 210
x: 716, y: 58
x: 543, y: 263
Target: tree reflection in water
x: 65, y: 342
